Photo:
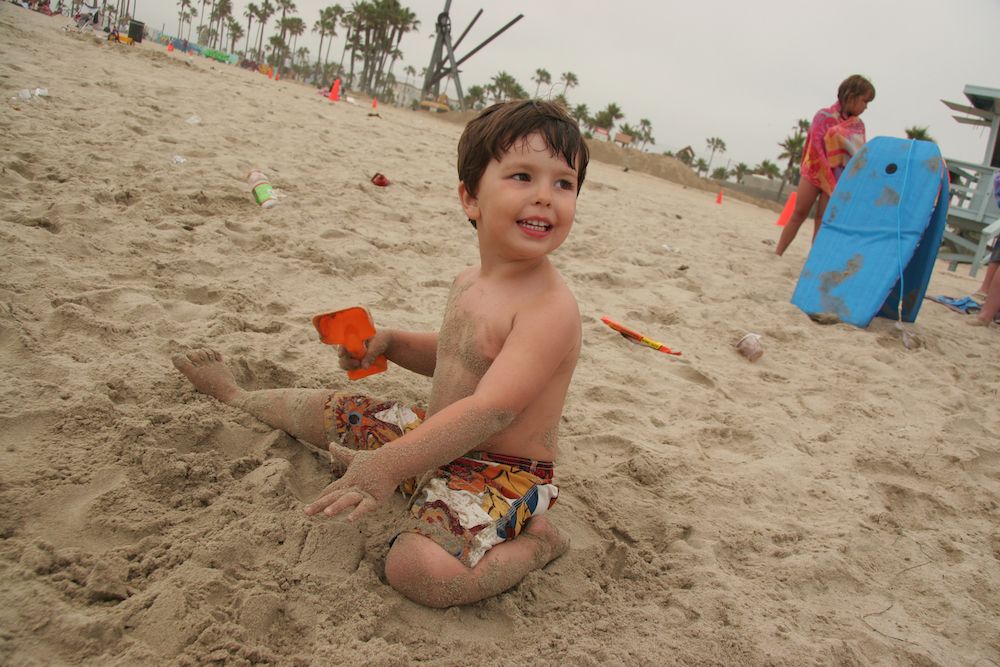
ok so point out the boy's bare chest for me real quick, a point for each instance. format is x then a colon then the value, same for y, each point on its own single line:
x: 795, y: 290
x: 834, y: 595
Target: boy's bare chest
x: 474, y: 329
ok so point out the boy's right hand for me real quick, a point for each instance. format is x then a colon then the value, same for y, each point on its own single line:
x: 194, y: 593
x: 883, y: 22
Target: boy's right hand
x: 374, y: 348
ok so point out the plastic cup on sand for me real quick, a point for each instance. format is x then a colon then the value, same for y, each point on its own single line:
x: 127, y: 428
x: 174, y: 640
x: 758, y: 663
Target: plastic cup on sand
x: 749, y: 346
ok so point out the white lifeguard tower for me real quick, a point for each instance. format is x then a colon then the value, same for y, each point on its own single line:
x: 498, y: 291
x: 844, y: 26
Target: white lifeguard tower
x: 973, y: 216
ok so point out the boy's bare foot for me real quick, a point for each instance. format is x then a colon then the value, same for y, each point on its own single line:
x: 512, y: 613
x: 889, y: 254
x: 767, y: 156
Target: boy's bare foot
x: 208, y: 374
x: 556, y: 544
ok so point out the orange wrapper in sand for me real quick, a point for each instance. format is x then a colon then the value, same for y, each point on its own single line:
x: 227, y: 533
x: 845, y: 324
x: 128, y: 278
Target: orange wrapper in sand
x: 350, y: 327
x: 636, y: 337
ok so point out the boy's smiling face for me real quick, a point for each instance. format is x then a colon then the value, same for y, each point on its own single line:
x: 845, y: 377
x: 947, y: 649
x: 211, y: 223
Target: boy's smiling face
x: 526, y: 200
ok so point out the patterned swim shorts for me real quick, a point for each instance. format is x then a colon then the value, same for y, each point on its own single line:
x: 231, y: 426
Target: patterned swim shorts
x: 467, y: 506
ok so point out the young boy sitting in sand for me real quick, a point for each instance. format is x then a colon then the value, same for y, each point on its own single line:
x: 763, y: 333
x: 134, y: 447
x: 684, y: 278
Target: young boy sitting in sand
x: 501, y: 363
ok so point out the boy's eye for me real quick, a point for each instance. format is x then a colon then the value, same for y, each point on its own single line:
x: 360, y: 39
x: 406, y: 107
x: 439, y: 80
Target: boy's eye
x: 566, y: 185
x: 521, y: 176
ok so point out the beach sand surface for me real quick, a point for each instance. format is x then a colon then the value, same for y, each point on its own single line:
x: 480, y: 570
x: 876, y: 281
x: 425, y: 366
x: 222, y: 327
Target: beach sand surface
x: 834, y: 503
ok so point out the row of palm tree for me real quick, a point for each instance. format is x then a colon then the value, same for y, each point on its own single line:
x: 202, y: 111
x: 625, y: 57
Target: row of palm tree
x: 373, y: 30
x: 503, y: 86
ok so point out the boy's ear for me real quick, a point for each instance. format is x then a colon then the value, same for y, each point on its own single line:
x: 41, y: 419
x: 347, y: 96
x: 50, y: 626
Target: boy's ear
x: 470, y: 204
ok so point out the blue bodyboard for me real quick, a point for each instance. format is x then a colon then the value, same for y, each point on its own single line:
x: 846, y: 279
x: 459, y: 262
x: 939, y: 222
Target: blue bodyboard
x: 886, y: 216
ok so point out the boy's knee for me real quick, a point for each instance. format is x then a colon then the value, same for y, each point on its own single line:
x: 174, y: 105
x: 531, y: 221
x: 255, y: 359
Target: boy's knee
x: 424, y: 572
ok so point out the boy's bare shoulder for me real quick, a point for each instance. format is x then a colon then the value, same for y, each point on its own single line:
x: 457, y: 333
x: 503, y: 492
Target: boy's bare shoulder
x: 555, y: 304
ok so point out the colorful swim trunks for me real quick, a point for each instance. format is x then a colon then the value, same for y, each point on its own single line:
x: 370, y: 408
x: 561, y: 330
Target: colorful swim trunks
x: 467, y: 506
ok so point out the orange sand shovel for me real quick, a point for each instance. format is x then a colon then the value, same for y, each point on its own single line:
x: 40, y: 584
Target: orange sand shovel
x: 350, y: 327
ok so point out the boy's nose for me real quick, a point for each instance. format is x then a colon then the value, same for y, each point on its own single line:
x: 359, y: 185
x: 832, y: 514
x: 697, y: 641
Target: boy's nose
x: 543, y: 194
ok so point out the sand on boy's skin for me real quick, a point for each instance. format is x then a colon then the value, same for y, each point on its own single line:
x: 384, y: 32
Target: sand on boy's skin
x: 833, y: 503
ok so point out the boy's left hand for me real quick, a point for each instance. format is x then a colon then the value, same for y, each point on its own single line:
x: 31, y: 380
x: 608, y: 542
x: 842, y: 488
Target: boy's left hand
x: 363, y: 486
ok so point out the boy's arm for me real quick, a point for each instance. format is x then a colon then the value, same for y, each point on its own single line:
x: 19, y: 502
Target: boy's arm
x: 539, y: 342
x: 413, y: 351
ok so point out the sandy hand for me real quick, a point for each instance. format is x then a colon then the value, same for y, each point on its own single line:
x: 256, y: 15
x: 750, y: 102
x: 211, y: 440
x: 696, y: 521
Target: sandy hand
x: 363, y: 487
x: 374, y: 347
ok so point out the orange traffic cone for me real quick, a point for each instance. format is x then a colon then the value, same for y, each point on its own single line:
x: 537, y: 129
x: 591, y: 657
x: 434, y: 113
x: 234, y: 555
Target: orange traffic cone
x: 374, y: 103
x: 170, y: 47
x: 335, y: 90
x: 718, y: 198
x: 786, y: 212
x: 270, y: 72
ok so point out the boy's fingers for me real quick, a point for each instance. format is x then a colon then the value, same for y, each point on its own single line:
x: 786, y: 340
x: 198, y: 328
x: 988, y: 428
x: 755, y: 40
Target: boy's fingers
x: 348, y: 499
x: 327, y: 496
x: 366, y: 505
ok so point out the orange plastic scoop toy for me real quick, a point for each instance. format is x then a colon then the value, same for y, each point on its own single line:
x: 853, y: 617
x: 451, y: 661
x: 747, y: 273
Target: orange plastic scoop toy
x: 350, y: 327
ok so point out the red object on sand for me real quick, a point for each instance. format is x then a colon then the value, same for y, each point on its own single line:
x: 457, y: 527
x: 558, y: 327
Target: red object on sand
x: 786, y: 212
x: 335, y: 90
x: 170, y: 47
x: 350, y: 327
x: 718, y: 198
x: 636, y: 337
x: 374, y: 103
x: 380, y: 180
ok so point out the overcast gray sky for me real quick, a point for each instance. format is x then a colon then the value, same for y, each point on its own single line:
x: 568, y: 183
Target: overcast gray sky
x: 741, y: 71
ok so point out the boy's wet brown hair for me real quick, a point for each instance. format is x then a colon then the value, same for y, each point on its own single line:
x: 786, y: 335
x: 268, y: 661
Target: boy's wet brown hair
x: 492, y: 133
x: 853, y: 86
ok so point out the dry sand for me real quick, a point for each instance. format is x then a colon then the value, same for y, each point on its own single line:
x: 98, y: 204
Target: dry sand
x: 834, y: 503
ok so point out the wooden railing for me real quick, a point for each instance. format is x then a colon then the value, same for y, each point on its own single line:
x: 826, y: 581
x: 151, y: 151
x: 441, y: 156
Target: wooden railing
x: 971, y: 209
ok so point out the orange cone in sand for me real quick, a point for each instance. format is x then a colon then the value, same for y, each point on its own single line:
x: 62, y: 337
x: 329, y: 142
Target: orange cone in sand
x: 270, y: 73
x: 786, y: 212
x: 335, y: 90
x: 170, y: 47
x: 374, y: 103
x: 718, y: 198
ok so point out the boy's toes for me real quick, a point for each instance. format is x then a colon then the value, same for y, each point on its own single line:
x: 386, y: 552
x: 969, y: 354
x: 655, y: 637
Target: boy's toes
x: 181, y: 361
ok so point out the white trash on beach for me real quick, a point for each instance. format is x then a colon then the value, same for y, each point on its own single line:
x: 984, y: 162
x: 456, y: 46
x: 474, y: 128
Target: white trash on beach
x: 179, y: 159
x: 41, y: 92
x: 749, y: 346
x: 193, y: 120
x: 24, y: 94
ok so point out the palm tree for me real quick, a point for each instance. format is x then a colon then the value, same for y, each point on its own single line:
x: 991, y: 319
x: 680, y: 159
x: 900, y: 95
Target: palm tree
x: 541, y: 76
x: 629, y: 130
x: 505, y: 86
x: 401, y: 21
x: 919, y: 133
x: 250, y: 12
x: 720, y: 174
x: 767, y: 168
x: 606, y: 118
x: 182, y: 14
x: 476, y: 97
x: 323, y: 26
x: 791, y: 148
x: 285, y: 6
x: 581, y: 113
x: 222, y: 11
x: 701, y: 166
x: 296, y: 28
x: 714, y: 144
x: 266, y: 12
x: 740, y: 170
x: 646, y: 133
x: 235, y: 32
x: 201, y: 21
x: 569, y: 80
x: 278, y: 48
